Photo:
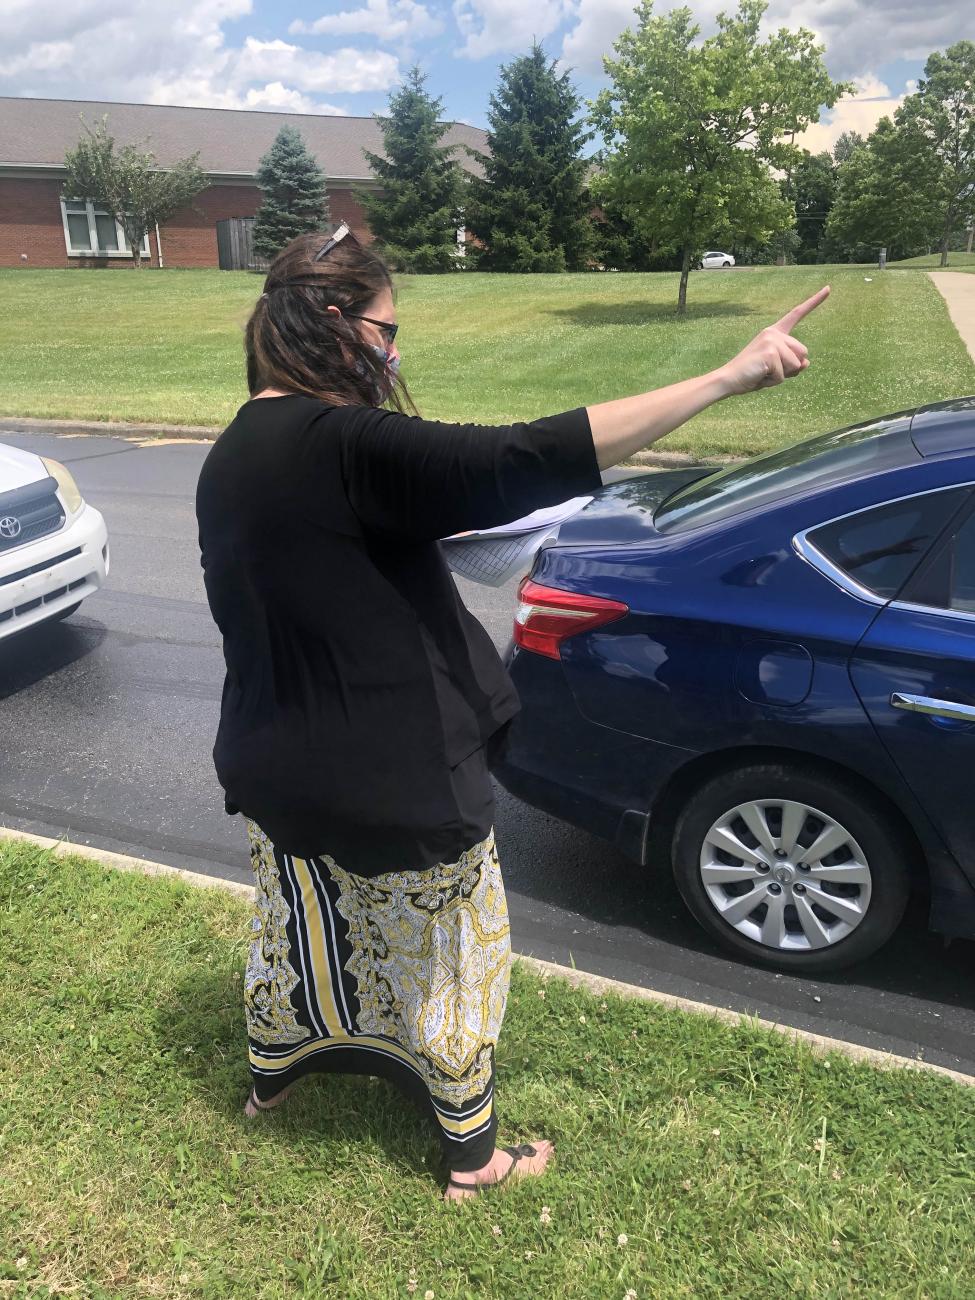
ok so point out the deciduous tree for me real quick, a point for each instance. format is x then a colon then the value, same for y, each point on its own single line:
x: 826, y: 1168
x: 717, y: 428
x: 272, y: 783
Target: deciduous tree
x: 128, y: 181
x: 940, y: 120
x: 813, y: 188
x: 883, y: 197
x: 694, y: 128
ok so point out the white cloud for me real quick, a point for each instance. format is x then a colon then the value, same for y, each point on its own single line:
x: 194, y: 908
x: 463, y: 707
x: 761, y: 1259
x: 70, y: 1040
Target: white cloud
x: 39, y: 55
x: 598, y: 24
x: 175, y: 53
x: 388, y: 20
x: 346, y: 71
x: 282, y: 99
x: 858, y: 112
x: 500, y: 26
x: 857, y: 34
x: 862, y: 34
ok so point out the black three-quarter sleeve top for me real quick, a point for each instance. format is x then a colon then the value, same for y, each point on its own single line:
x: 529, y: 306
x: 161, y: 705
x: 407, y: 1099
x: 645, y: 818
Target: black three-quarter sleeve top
x: 357, y: 681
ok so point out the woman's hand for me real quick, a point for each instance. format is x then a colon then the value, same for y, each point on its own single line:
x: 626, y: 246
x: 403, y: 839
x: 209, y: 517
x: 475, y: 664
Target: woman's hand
x: 629, y: 424
x: 773, y: 355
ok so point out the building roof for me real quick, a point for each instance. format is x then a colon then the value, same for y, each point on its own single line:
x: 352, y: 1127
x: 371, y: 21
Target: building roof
x: 38, y: 132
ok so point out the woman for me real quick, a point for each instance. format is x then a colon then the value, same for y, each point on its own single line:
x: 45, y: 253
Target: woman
x: 363, y: 704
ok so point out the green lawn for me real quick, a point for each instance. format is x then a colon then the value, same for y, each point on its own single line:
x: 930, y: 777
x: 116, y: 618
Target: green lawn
x: 695, y: 1160
x: 932, y: 262
x: 166, y: 346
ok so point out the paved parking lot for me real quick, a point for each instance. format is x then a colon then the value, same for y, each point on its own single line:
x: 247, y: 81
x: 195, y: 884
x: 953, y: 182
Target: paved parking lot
x: 109, y: 718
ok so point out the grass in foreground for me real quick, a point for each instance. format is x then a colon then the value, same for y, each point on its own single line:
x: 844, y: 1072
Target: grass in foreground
x: 167, y: 346
x: 694, y: 1159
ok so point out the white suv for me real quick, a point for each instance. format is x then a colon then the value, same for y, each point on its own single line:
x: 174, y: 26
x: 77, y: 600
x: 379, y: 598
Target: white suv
x: 53, y: 545
x: 716, y: 261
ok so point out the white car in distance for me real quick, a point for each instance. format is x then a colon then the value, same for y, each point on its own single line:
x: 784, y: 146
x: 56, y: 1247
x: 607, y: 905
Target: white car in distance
x: 53, y: 545
x: 716, y: 261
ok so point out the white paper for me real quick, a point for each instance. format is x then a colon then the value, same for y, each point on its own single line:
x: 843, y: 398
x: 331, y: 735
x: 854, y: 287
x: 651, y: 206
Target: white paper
x: 546, y: 518
x: 493, y: 556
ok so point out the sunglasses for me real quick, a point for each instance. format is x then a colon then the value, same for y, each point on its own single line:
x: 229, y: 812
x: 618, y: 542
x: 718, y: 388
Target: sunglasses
x: 387, y: 327
x: 330, y: 243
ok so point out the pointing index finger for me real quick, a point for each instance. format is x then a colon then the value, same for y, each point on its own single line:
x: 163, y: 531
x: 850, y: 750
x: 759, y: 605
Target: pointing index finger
x: 792, y: 318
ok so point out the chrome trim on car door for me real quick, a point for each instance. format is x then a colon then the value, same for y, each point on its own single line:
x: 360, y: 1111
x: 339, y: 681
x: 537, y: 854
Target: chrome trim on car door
x: 828, y: 569
x: 933, y: 708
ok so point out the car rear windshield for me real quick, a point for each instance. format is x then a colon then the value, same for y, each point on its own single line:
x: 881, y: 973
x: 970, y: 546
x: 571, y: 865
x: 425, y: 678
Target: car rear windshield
x: 822, y: 462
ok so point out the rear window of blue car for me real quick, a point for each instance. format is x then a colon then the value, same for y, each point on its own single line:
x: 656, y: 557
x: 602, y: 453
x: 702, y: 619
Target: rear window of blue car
x: 819, y: 463
x: 880, y: 548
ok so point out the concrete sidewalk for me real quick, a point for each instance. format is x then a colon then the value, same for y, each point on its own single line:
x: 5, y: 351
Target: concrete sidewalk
x: 958, y: 292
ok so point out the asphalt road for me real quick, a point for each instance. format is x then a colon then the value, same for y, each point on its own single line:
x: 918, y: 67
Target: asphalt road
x: 109, y: 718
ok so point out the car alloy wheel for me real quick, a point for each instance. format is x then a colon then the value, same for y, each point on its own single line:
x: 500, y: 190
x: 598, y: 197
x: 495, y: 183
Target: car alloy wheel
x: 792, y: 865
x: 785, y: 875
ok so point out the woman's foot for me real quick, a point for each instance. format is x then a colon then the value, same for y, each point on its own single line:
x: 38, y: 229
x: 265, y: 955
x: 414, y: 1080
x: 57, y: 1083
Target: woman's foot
x: 502, y: 1165
x: 255, y: 1105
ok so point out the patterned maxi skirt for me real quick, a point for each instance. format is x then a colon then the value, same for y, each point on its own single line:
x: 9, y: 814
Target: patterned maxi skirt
x: 402, y: 975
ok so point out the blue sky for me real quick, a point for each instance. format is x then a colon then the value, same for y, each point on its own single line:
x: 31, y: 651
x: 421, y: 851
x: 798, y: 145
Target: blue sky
x: 345, y: 56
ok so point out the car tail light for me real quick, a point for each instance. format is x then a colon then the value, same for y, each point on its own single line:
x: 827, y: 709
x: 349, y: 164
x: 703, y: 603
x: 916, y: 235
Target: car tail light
x: 547, y: 616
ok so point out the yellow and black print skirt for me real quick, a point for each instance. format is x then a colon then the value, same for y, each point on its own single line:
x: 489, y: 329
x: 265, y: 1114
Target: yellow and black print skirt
x: 403, y: 975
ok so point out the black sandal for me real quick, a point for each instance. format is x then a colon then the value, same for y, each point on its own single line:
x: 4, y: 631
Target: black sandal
x: 517, y: 1153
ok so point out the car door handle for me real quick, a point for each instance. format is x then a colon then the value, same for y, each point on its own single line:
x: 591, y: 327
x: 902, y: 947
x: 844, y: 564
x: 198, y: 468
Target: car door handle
x: 934, y: 708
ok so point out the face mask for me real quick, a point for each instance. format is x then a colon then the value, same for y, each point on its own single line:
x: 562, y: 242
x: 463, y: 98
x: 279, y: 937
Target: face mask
x: 392, y: 363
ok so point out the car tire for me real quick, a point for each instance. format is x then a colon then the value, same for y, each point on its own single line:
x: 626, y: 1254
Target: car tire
x: 871, y: 854
x: 726, y: 266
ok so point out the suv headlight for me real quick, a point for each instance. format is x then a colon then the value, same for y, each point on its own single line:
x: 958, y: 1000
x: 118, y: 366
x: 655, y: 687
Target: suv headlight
x: 65, y: 481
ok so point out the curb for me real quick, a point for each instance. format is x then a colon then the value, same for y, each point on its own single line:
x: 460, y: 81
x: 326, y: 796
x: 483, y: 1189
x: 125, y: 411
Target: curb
x: 821, y: 1044
x: 210, y: 433
x: 108, y: 428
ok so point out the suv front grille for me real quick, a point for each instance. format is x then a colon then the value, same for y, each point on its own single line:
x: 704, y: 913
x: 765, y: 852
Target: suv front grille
x: 35, y: 508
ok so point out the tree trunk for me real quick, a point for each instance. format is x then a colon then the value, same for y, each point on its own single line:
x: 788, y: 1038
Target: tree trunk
x: 685, y: 270
x: 135, y: 238
x: 944, y: 243
x: 971, y: 232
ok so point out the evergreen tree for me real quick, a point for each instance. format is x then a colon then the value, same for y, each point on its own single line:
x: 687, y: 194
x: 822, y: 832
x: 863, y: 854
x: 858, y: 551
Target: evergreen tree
x: 619, y: 245
x: 416, y: 215
x: 531, y: 209
x: 295, y: 199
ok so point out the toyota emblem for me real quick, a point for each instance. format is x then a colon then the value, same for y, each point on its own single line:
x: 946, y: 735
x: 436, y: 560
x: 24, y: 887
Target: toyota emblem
x: 9, y: 526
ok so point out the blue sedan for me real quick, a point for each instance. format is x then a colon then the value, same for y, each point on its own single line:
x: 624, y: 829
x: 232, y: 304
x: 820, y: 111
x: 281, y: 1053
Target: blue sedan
x: 774, y: 665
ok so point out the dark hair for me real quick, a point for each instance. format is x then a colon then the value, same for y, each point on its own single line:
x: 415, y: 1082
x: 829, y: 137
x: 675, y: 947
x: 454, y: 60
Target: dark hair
x: 294, y: 343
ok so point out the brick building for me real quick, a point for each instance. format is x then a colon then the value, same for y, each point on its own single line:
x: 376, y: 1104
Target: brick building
x: 40, y: 227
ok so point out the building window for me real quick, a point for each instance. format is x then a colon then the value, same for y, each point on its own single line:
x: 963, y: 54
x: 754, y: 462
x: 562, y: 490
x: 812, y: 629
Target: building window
x: 90, y: 230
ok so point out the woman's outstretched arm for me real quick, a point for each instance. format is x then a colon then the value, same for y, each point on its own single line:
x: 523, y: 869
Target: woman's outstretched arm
x: 423, y: 479
x: 629, y: 424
